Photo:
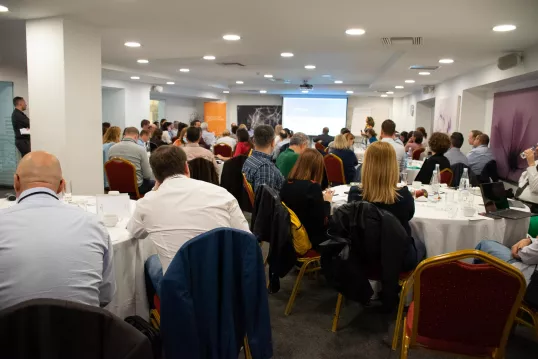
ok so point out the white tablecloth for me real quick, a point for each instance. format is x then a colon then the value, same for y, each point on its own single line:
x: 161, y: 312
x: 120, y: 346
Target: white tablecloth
x: 431, y: 224
x: 129, y: 258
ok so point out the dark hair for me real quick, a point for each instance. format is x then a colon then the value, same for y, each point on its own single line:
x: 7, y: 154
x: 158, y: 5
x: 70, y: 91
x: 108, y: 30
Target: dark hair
x: 405, y: 135
x: 325, y: 130
x: 439, y: 143
x: 264, y: 136
x: 157, y: 134
x: 371, y: 131
x: 165, y: 125
x: 194, y: 122
x: 18, y: 98
x: 484, y: 139
x: 242, y: 135
x: 456, y: 139
x: 418, y: 137
x: 193, y: 134
x: 181, y: 126
x: 156, y: 123
x: 167, y: 161
x: 105, y: 126
x: 131, y: 131
x: 344, y: 131
x: 144, y: 132
x: 144, y: 123
x: 234, y: 129
x: 423, y: 130
x: 283, y: 134
x: 370, y: 121
x: 388, y: 127
x: 163, y: 120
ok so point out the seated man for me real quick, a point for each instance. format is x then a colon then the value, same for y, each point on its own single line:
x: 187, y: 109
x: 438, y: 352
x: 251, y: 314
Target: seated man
x: 258, y: 168
x: 180, y: 208
x: 209, y: 137
x: 480, y: 155
x: 523, y: 255
x: 193, y: 149
x: 49, y: 249
x: 324, y: 138
x: 454, y: 154
x: 144, y: 140
x: 286, y: 160
x: 129, y: 150
x: 528, y: 182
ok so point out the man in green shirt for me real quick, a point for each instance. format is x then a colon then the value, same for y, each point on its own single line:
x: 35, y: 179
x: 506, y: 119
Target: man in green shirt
x: 286, y: 160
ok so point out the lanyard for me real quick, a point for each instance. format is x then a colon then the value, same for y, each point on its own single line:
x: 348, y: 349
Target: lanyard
x: 40, y: 192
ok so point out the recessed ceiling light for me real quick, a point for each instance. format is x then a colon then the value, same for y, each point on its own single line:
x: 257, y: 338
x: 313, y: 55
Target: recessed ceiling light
x: 446, y: 61
x: 3, y: 8
x: 355, y: 32
x: 503, y: 28
x: 409, y: 81
x: 225, y: 91
x: 231, y: 37
x: 209, y: 57
x: 143, y: 61
x: 349, y: 92
x: 286, y: 54
x: 170, y: 83
x: 304, y: 91
x: 390, y: 92
x: 384, y: 95
x: 263, y: 91
x: 398, y: 87
x: 424, y: 73
x: 239, y: 82
x: 310, y: 67
x: 135, y: 78
x: 268, y: 76
x: 184, y: 70
x: 132, y: 44
x: 339, y: 82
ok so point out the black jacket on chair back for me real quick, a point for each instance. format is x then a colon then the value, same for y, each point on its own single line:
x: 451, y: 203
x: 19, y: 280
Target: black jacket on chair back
x: 376, y: 248
x: 232, y: 180
x: 203, y: 170
x: 457, y: 171
x: 271, y: 223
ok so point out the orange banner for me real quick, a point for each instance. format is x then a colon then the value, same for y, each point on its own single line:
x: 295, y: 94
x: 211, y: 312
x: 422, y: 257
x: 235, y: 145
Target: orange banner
x: 215, y: 116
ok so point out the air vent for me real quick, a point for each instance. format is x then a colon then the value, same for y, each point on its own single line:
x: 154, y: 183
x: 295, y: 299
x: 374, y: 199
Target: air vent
x: 238, y: 64
x: 398, y: 40
x: 423, y: 67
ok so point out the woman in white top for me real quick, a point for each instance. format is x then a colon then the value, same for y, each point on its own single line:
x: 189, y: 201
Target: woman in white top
x: 167, y: 127
x: 226, y: 139
x: 528, y: 182
x: 278, y: 128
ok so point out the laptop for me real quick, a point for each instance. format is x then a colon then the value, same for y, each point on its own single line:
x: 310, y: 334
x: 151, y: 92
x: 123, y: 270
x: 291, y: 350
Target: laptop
x: 496, y: 203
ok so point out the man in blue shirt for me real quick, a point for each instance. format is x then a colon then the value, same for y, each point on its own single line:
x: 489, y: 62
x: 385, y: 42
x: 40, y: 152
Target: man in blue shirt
x: 258, y: 168
x: 480, y: 155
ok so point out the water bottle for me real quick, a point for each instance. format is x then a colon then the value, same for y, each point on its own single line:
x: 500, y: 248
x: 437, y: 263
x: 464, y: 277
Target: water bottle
x: 435, y: 185
x: 464, y: 186
x: 523, y: 155
x: 410, y: 157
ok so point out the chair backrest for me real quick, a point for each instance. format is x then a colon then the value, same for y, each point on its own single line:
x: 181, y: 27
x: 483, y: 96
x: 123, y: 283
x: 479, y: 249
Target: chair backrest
x: 417, y: 153
x: 489, y: 173
x: 223, y: 149
x: 335, y: 169
x: 301, y: 241
x: 446, y: 176
x: 248, y: 187
x: 466, y: 305
x: 319, y: 147
x: 231, y: 179
x: 203, y: 170
x: 121, y: 176
x: 153, y: 146
x: 52, y: 328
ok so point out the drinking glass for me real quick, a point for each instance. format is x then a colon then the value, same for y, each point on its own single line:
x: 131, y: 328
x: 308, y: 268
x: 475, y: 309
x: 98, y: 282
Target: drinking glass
x: 68, y: 191
x: 404, y: 178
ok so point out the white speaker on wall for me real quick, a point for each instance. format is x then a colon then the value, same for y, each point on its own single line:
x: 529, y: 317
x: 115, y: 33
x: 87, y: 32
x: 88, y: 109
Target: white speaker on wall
x: 508, y: 61
x: 156, y: 88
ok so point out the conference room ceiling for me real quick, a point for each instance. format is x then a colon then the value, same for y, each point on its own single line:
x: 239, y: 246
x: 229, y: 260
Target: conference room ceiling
x: 177, y: 34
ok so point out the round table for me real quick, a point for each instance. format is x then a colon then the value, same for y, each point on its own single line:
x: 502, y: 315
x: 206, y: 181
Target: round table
x: 129, y: 258
x: 441, y: 234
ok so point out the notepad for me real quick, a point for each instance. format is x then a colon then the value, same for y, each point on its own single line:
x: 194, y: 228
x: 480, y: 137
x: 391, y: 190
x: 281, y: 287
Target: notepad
x: 25, y: 131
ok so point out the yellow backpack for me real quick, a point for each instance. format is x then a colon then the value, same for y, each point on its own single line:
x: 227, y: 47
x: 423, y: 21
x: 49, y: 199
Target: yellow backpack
x: 301, y: 242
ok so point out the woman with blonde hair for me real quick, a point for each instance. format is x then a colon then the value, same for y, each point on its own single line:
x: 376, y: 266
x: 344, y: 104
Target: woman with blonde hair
x: 340, y: 148
x: 303, y: 195
x: 110, y: 138
x: 350, y: 139
x: 278, y: 128
x: 380, y: 177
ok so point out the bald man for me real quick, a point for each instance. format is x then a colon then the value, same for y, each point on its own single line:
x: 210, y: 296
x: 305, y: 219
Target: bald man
x: 49, y: 249
x: 324, y: 138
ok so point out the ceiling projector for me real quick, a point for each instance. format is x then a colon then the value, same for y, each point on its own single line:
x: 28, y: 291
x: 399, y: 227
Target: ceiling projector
x: 305, y: 86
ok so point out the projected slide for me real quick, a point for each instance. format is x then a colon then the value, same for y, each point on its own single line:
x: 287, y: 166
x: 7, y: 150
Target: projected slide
x: 310, y: 115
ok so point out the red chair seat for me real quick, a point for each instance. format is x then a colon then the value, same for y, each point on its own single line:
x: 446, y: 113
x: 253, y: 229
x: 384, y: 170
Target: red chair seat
x: 444, y: 345
x: 311, y: 253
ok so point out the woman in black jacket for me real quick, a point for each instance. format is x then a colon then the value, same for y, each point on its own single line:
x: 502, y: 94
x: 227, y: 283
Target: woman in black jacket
x: 341, y: 149
x: 380, y: 175
x: 303, y: 195
x: 439, y: 144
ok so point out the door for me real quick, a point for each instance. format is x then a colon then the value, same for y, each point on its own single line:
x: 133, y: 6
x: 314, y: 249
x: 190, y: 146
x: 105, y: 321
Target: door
x: 8, y: 152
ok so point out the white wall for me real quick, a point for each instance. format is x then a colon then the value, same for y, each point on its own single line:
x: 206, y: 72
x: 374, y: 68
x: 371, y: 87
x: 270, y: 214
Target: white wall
x: 377, y: 105
x: 137, y: 98
x: 114, y: 106
x: 177, y: 109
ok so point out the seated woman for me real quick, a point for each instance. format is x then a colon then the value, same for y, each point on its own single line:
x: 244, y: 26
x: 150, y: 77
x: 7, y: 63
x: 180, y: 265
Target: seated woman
x: 528, y: 182
x: 303, y: 195
x: 439, y: 144
x: 415, y: 142
x: 341, y: 149
x: 181, y: 138
x: 110, y: 138
x: 380, y: 176
x: 156, y: 140
x: 243, y: 146
x: 167, y: 128
x: 350, y: 140
x: 372, y: 136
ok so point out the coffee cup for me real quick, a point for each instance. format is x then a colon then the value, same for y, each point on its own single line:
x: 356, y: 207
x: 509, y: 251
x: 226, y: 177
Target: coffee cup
x: 469, y: 211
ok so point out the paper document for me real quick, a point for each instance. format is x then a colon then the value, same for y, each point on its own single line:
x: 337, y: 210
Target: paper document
x: 25, y: 131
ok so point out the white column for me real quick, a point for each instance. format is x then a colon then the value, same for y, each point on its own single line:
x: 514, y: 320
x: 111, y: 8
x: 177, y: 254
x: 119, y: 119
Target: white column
x: 64, y: 93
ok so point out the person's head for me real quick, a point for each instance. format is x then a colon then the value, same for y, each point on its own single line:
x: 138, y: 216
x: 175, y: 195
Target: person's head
x: 168, y: 161
x: 308, y: 167
x: 411, y: 134
x: 370, y: 132
x: 350, y: 139
x: 289, y: 133
x: 283, y: 135
x: 473, y: 135
x: 176, y: 124
x: 196, y: 123
x: 38, y: 169
x: 157, y: 135
x: 194, y: 134
x: 325, y: 130
x: 456, y: 139
x: 204, y: 126
x: 243, y: 126
x: 299, y: 142
x: 234, y: 128
x: 380, y: 173
x: 144, y: 135
x: 419, y: 138
x: 344, y: 131
x: 278, y: 129
x: 152, y: 129
x: 242, y: 135
x: 439, y: 143
x: 163, y: 120
x: 144, y: 124
x: 225, y: 133
x: 19, y: 103
x: 423, y: 131
x: 166, y: 126
x: 131, y: 132
x: 388, y: 127
x: 181, y: 126
x: 105, y: 126
x: 370, y: 121
x: 340, y: 143
x: 112, y: 135
x: 182, y: 137
x: 482, y: 140
x: 264, y: 136
x: 404, y: 136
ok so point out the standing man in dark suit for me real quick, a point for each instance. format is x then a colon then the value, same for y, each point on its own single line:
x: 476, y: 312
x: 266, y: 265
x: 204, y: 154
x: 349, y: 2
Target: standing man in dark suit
x: 21, y: 122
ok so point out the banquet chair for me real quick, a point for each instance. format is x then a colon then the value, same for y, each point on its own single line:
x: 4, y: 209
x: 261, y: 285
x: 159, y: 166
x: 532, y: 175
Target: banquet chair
x: 223, y: 149
x: 319, y: 147
x: 489, y: 173
x: 452, y: 310
x: 248, y: 188
x: 121, y: 176
x: 335, y: 169
x: 528, y: 317
x: 231, y: 179
x: 310, y: 263
x: 203, y: 170
x: 446, y: 176
x: 417, y: 153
